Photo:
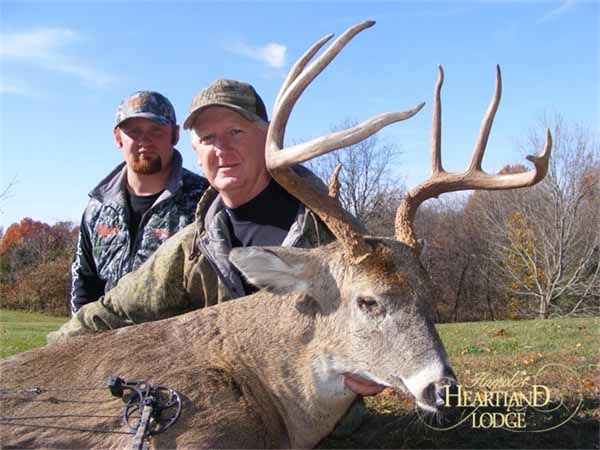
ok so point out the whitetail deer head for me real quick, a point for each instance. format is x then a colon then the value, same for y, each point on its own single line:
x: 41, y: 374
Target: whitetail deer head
x: 383, y: 290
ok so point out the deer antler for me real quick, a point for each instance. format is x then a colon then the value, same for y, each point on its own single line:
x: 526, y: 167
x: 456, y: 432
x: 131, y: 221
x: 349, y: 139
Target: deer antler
x: 333, y: 186
x: 279, y: 161
x: 473, y: 177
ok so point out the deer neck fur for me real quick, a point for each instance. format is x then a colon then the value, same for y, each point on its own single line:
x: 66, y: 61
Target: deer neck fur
x: 295, y: 366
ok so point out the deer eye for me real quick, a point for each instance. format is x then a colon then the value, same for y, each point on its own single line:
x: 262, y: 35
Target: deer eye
x: 370, y: 306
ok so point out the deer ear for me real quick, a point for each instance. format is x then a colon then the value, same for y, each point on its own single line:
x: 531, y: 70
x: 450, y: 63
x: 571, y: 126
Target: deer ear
x: 276, y: 269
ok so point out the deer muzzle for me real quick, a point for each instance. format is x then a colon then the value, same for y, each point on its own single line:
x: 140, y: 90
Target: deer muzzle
x: 431, y: 387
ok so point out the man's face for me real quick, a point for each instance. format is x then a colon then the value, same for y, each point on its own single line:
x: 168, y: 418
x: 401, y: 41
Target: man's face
x: 147, y: 146
x: 231, y: 151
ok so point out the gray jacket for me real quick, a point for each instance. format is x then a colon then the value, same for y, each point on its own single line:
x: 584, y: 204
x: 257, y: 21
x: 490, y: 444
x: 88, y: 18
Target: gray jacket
x: 105, y: 251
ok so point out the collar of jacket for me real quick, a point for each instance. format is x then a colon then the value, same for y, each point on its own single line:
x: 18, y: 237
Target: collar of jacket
x: 211, y: 202
x: 209, y: 228
x: 214, y: 241
x: 112, y: 187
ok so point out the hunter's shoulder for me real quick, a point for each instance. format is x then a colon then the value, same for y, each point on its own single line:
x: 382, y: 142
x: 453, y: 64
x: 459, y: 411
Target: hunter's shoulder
x: 184, y: 236
x: 193, y: 182
x: 94, y: 209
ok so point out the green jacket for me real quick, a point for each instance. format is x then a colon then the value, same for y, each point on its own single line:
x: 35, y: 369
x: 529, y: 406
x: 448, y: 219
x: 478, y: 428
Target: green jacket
x: 189, y: 271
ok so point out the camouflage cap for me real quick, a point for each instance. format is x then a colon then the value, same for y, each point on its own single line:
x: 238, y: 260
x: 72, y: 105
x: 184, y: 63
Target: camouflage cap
x: 148, y: 105
x: 233, y: 94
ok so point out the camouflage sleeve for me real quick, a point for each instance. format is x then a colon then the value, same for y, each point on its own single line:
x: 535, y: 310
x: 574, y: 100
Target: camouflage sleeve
x: 167, y: 284
x: 86, y: 285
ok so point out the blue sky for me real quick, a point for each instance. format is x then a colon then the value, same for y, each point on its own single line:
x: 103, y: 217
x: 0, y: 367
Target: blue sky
x: 65, y: 66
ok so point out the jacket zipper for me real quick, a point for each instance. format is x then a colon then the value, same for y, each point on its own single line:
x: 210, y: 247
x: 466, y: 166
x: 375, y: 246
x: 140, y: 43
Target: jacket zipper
x: 224, y: 280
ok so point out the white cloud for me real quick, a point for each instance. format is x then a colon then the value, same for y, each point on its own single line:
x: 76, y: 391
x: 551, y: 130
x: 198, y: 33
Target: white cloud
x: 556, y: 12
x: 38, y: 43
x: 14, y: 89
x: 44, y: 47
x: 273, y: 54
x: 88, y: 75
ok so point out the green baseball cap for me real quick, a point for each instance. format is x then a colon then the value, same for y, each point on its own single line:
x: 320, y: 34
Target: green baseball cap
x: 236, y: 95
x: 147, y: 105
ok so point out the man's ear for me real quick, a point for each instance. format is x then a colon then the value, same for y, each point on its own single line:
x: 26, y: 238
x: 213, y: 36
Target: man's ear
x: 276, y: 269
x: 117, y: 136
x: 175, y: 135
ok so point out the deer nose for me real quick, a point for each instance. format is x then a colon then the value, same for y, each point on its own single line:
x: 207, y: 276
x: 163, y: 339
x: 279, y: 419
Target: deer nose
x: 442, y: 393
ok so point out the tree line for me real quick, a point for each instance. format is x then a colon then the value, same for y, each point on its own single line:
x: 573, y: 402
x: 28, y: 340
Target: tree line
x: 527, y: 253
x: 35, y: 261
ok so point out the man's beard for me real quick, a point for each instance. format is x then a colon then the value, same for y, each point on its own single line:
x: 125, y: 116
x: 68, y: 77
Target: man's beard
x: 146, y: 166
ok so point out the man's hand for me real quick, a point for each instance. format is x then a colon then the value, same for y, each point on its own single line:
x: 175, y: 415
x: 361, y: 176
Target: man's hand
x: 72, y: 328
x: 92, y: 318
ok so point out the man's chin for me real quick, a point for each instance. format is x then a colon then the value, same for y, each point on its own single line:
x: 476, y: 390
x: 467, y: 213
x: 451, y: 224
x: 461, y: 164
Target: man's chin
x: 147, y: 166
x: 229, y: 183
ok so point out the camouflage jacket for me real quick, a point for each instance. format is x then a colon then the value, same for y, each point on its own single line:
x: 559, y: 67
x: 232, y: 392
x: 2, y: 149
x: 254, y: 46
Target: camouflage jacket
x: 191, y: 270
x: 105, y: 251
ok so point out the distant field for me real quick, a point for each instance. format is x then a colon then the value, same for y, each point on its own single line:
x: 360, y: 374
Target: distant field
x: 497, y: 348
x: 21, y: 331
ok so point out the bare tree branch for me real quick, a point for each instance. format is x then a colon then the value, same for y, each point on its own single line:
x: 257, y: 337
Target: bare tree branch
x: 7, y: 192
x: 367, y: 187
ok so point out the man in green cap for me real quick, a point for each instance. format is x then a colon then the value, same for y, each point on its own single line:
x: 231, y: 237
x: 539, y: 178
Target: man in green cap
x: 142, y: 202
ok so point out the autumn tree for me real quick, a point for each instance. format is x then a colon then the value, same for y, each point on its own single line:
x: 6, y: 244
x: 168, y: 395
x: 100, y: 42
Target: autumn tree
x: 546, y: 240
x: 29, y: 243
x: 34, y: 265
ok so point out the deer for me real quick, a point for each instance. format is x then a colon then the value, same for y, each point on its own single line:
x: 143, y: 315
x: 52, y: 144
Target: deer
x: 280, y: 367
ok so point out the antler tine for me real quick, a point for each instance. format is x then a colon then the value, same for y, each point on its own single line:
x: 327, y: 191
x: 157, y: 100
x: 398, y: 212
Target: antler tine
x: 541, y: 161
x: 473, y: 177
x: 436, y: 126
x: 486, y: 125
x: 324, y: 144
x: 287, y: 100
x: 333, y: 186
x: 298, y: 67
x: 339, y: 221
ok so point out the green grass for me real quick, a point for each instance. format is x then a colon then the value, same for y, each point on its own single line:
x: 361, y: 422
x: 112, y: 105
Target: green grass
x: 528, y: 344
x: 21, y: 331
x: 579, y: 336
x: 499, y: 348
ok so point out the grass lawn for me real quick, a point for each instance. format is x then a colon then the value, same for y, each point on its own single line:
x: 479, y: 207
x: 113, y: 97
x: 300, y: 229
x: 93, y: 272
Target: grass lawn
x: 21, y: 331
x: 563, y: 351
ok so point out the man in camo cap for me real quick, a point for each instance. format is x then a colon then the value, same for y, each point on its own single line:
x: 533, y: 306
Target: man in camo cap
x: 142, y: 202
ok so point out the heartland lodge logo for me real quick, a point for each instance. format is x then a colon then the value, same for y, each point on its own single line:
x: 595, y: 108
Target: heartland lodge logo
x: 519, y: 402
x: 514, y: 403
